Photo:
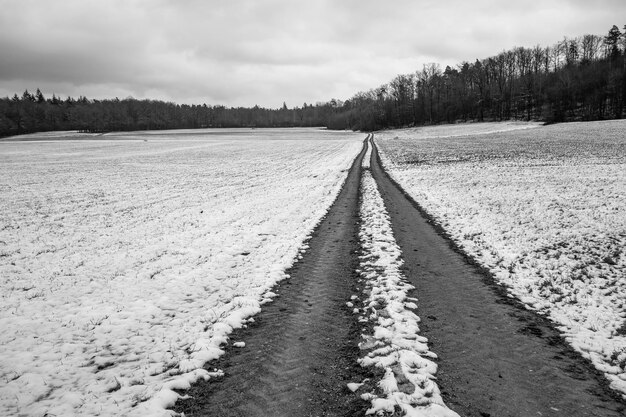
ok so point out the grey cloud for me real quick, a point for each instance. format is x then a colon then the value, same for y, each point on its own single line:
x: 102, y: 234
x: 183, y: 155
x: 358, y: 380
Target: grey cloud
x: 263, y: 52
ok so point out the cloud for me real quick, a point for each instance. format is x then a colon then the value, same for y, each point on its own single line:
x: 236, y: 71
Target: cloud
x: 250, y: 52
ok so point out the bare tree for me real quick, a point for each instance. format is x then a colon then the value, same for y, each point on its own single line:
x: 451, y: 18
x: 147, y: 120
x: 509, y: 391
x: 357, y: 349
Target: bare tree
x: 590, y: 47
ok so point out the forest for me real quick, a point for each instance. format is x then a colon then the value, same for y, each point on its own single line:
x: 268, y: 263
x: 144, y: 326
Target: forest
x: 582, y: 78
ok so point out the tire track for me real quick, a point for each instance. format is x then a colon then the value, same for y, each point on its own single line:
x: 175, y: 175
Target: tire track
x: 495, y: 357
x: 301, y: 350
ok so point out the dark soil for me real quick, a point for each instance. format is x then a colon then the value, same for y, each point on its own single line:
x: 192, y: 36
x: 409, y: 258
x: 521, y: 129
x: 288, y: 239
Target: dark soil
x: 302, y: 349
x: 496, y: 358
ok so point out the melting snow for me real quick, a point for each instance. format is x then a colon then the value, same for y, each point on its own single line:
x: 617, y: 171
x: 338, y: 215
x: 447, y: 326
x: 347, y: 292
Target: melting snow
x: 125, y: 264
x: 395, y: 345
x: 543, y: 209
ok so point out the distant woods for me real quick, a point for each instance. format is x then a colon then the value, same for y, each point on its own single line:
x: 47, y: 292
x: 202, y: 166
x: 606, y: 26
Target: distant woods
x: 32, y: 112
x: 582, y: 78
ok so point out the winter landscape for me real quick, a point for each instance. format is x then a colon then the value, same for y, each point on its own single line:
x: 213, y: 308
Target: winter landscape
x: 129, y: 259
x: 312, y: 208
x: 126, y: 259
x: 542, y: 208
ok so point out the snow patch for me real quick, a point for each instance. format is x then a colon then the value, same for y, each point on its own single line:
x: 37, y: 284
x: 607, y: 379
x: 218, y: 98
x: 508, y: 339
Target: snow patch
x: 395, y: 345
x: 125, y: 265
x: 543, y: 209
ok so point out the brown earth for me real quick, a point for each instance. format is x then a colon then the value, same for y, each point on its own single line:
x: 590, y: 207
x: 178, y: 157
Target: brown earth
x: 496, y: 358
x: 301, y: 351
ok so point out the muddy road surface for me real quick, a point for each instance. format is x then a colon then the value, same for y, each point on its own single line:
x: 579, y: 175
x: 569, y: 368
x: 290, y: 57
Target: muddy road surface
x: 302, y: 349
x: 495, y: 357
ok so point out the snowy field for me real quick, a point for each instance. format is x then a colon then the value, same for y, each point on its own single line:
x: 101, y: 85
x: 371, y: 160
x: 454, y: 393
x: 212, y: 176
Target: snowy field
x: 126, y: 261
x: 395, y: 345
x: 544, y: 208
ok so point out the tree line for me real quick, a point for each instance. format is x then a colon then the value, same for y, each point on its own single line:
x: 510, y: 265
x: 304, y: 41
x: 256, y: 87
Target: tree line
x: 581, y: 78
x: 33, y: 112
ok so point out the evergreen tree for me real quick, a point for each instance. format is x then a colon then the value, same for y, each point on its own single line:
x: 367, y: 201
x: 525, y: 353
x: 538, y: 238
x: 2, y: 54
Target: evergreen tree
x: 612, y: 42
x: 39, y: 96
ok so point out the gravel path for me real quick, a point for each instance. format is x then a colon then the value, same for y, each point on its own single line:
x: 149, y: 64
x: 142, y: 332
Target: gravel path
x: 495, y: 357
x: 302, y: 349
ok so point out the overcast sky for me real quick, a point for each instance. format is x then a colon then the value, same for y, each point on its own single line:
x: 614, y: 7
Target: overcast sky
x: 247, y: 52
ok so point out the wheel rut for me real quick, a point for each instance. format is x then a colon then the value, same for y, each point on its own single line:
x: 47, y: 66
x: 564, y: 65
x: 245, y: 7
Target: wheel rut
x: 302, y: 348
x: 495, y: 357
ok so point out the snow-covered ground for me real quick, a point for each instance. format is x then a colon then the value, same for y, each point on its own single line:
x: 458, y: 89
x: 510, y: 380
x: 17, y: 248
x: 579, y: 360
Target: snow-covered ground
x: 54, y: 135
x: 124, y: 264
x: 456, y: 130
x: 395, y: 345
x: 544, y: 209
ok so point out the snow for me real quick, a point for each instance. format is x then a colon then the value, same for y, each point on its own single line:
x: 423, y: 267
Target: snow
x: 543, y: 209
x: 394, y: 345
x: 53, y: 135
x: 458, y: 130
x: 126, y: 261
x: 354, y: 386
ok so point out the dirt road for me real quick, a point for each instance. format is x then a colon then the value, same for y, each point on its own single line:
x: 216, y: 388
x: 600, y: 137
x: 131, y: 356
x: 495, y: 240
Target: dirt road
x: 302, y: 349
x: 495, y: 357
